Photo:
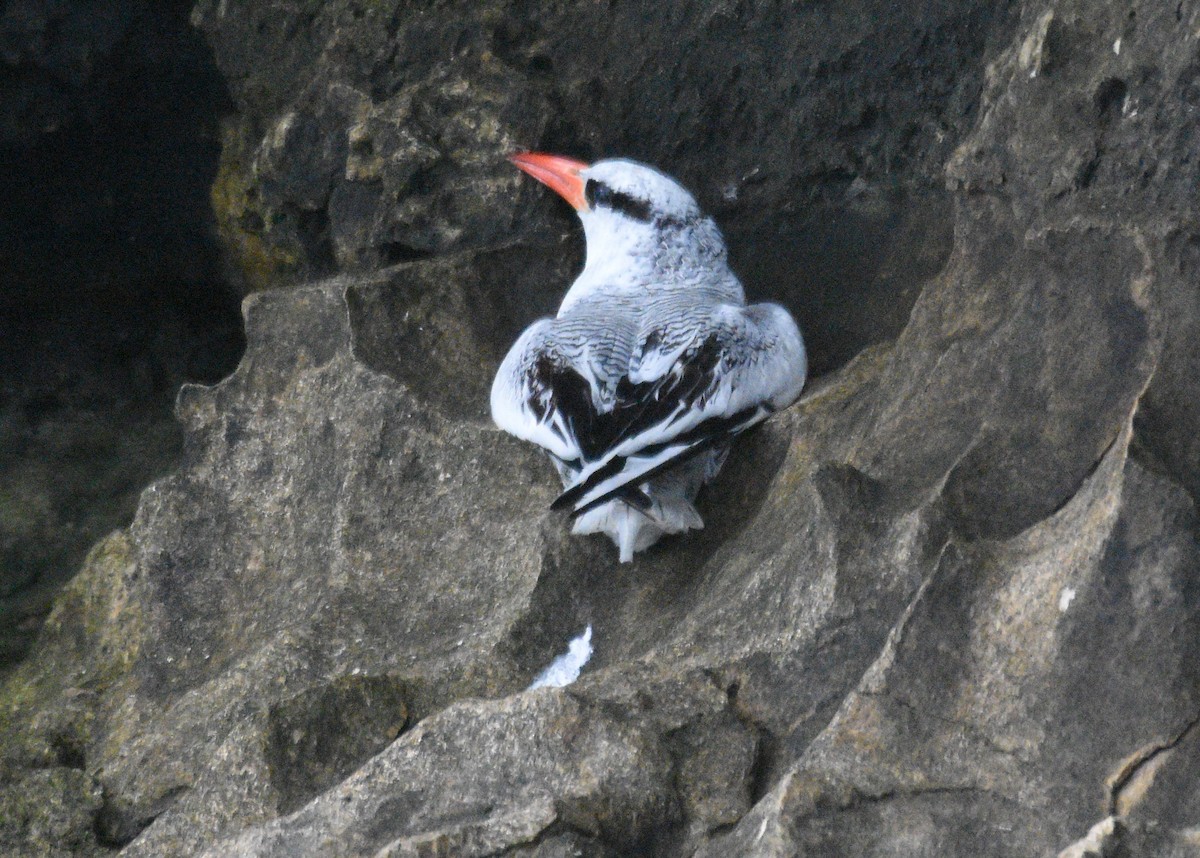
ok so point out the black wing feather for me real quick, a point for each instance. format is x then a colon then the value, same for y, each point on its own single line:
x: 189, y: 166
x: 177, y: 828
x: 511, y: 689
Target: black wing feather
x: 637, y: 406
x: 704, y: 436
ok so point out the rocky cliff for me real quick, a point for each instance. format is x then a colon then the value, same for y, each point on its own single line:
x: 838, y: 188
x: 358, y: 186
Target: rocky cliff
x: 945, y: 606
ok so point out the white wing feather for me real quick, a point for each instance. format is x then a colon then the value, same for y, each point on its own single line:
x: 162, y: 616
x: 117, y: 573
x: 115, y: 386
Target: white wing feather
x: 516, y: 402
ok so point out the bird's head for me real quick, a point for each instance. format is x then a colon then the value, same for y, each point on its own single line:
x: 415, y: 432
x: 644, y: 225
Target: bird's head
x: 630, y: 210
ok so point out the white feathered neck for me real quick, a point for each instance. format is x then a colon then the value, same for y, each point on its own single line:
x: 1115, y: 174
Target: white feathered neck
x: 666, y: 242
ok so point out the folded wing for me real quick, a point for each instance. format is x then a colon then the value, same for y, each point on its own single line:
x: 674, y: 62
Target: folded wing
x: 691, y: 389
x: 557, y: 386
x: 652, y: 397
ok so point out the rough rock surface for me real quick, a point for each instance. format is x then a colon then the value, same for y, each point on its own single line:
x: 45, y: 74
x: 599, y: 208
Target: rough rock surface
x: 947, y: 605
x: 85, y: 423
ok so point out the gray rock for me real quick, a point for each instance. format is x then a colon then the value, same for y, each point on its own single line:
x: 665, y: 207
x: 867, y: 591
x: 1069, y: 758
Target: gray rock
x: 50, y: 812
x: 85, y: 423
x: 946, y: 605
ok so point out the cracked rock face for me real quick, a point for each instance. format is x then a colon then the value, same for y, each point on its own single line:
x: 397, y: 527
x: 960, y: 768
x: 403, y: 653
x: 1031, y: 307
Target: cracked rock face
x: 949, y: 604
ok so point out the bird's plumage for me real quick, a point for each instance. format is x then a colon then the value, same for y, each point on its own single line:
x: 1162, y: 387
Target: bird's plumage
x: 653, y: 364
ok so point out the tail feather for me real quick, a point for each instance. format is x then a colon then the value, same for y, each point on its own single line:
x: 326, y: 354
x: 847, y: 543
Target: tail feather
x: 639, y: 515
x: 632, y: 529
x: 600, y: 481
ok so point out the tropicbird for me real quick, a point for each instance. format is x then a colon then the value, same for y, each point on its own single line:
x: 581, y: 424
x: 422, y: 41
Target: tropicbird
x: 654, y: 362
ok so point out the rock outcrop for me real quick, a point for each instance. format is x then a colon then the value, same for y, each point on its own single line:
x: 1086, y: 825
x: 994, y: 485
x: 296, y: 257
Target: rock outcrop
x: 946, y: 605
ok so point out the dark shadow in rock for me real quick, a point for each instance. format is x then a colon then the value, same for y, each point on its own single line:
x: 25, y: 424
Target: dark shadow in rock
x: 117, y: 823
x: 1073, y: 308
x: 112, y: 286
x: 1164, y: 435
x: 633, y: 606
x: 108, y: 165
x: 317, y: 738
x: 849, y: 273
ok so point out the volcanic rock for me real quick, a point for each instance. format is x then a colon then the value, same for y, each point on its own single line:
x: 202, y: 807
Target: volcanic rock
x: 946, y: 605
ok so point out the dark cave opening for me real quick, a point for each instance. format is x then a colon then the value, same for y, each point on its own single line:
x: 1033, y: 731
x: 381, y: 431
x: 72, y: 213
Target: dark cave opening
x: 113, y: 289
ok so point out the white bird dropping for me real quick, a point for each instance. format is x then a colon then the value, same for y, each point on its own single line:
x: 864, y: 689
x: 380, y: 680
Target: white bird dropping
x: 565, y: 669
x: 654, y: 363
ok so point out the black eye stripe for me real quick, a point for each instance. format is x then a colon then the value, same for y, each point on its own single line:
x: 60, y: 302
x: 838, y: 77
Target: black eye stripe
x: 631, y: 206
x: 599, y: 194
x: 595, y: 193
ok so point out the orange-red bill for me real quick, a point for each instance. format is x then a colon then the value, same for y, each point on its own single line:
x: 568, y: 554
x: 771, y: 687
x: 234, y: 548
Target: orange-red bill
x: 557, y: 173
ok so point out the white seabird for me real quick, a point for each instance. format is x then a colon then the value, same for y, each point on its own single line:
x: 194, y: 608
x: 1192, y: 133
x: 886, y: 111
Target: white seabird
x: 654, y: 362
